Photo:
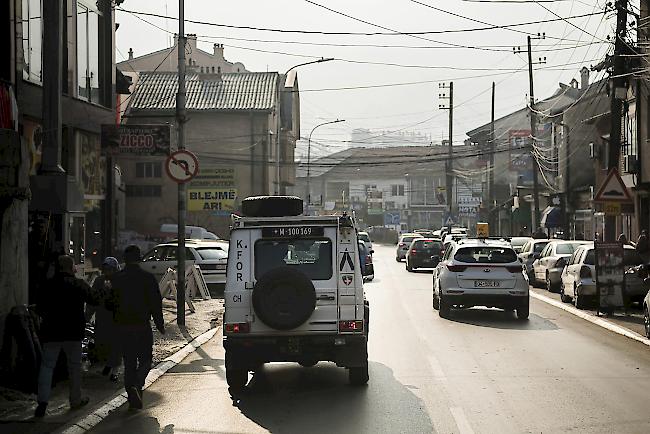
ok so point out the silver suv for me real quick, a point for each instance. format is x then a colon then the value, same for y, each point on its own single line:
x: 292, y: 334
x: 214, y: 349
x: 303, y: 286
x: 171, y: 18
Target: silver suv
x: 294, y: 291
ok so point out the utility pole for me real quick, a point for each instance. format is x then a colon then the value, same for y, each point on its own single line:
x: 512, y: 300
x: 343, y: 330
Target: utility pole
x: 180, y: 120
x: 490, y: 171
x: 533, y: 127
x: 449, y: 164
x: 617, y: 93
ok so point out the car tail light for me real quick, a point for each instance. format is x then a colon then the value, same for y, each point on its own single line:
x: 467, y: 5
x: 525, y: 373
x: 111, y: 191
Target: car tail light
x: 560, y: 263
x: 413, y: 252
x: 351, y: 326
x: 368, y: 259
x: 514, y: 268
x: 242, y: 327
x: 402, y: 244
x: 456, y: 268
x: 585, y: 272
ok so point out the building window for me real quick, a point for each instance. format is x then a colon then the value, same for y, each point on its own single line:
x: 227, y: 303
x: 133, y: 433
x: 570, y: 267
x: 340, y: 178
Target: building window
x: 143, y: 190
x: 148, y: 170
x: 32, y: 40
x: 218, y: 69
x: 397, y: 190
x: 213, y: 69
x: 88, y: 52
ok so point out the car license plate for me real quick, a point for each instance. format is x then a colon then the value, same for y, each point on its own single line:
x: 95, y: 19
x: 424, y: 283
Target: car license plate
x: 486, y: 283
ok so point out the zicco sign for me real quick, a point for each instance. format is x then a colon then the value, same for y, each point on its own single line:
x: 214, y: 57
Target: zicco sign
x: 135, y: 139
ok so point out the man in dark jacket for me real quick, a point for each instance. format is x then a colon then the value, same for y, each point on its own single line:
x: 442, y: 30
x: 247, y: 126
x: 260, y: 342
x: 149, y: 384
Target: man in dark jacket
x: 135, y: 300
x: 63, y: 327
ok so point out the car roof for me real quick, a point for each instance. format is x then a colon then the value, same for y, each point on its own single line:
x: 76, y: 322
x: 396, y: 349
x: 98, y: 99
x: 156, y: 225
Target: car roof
x: 477, y: 242
x: 411, y: 234
x: 429, y: 239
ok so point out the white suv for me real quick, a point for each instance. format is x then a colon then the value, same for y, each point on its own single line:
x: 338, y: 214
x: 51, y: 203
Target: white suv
x: 294, y: 291
x: 480, y: 272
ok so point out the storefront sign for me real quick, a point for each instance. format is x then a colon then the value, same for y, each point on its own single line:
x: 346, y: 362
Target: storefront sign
x: 610, y: 275
x: 136, y: 139
x: 215, y: 199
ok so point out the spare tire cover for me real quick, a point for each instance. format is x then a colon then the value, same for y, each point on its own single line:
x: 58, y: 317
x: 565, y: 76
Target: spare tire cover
x: 284, y: 298
x: 271, y: 206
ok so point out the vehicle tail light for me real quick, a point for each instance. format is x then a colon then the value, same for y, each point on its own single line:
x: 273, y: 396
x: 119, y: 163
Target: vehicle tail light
x: 456, y: 268
x: 585, y: 272
x: 351, y: 326
x: 560, y: 263
x: 402, y: 244
x: 242, y: 327
x: 413, y: 251
x: 514, y: 268
x: 368, y: 259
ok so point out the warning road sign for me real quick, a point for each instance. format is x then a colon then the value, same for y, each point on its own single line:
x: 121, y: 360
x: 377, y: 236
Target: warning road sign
x: 182, y: 166
x: 613, y: 189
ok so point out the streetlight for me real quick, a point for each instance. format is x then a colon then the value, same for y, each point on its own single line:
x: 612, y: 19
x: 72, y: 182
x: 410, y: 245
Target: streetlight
x: 309, y: 158
x: 277, y: 143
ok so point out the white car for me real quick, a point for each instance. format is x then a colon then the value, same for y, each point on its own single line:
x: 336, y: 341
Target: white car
x: 363, y: 236
x: 548, y: 267
x: 477, y: 272
x: 404, y: 244
x: 579, y: 276
x: 210, y: 256
x: 518, y: 243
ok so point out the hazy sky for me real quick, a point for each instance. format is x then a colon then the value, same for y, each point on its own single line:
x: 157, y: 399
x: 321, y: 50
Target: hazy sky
x: 412, y: 107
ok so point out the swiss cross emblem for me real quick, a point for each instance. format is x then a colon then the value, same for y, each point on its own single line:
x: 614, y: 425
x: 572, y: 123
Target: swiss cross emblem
x: 347, y: 279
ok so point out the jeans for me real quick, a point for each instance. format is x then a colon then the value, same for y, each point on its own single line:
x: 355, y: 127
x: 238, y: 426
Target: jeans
x: 51, y: 350
x: 137, y: 344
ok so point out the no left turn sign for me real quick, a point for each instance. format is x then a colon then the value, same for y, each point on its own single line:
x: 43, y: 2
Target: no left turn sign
x: 182, y: 166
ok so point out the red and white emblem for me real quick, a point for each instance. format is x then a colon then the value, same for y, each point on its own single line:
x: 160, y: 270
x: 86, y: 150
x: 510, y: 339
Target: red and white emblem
x: 347, y: 279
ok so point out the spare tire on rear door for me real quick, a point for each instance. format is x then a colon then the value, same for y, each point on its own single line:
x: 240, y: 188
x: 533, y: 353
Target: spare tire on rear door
x: 271, y: 206
x: 284, y: 298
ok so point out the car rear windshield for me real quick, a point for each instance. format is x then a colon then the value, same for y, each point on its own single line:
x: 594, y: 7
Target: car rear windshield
x: 310, y: 256
x: 485, y: 255
x: 408, y: 240
x: 428, y: 245
x: 364, y: 237
x: 539, y: 247
x: 212, y: 253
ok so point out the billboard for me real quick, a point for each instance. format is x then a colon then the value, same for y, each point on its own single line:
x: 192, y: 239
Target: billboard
x: 136, y: 139
x: 213, y: 189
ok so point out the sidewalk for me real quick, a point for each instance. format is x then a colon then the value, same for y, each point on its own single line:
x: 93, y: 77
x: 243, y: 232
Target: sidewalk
x: 633, y: 321
x: 17, y: 408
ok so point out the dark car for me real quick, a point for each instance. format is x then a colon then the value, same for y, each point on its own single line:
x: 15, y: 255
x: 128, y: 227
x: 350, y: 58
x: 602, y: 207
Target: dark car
x: 365, y: 258
x: 423, y: 253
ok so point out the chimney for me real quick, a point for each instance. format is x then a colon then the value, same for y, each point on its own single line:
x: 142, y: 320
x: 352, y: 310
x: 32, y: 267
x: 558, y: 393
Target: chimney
x: 191, y: 41
x: 218, y: 51
x: 130, y: 53
x: 574, y: 83
x: 584, y: 78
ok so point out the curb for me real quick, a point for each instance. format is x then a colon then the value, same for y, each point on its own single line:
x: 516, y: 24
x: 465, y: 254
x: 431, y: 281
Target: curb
x: 97, y: 415
x: 601, y: 322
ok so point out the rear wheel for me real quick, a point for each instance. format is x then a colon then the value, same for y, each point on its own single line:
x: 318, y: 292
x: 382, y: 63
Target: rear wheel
x: 565, y: 298
x: 646, y: 321
x: 236, y: 376
x: 444, y: 306
x: 549, y: 284
x: 358, y: 375
x: 578, y: 301
x: 436, y: 301
x: 408, y: 266
x: 523, y: 311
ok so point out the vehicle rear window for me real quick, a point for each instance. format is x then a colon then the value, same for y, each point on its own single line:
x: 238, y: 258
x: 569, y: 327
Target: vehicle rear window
x: 485, y: 255
x: 590, y: 259
x: 428, y: 245
x: 310, y: 256
x: 364, y: 237
x: 212, y: 253
x: 566, y: 249
x: 408, y: 240
x: 539, y: 247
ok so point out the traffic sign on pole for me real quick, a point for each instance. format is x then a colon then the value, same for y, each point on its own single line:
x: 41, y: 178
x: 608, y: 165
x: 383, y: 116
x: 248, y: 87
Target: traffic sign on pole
x: 182, y: 166
x: 613, y: 189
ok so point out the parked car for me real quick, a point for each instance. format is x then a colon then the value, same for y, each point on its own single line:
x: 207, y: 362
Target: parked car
x: 548, y: 268
x: 403, y: 245
x: 579, y: 276
x: 529, y: 252
x: 518, y: 243
x: 210, y: 256
x: 480, y: 273
x: 365, y: 237
x: 423, y: 253
x: 365, y: 259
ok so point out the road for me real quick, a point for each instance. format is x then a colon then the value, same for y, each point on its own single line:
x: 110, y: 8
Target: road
x: 483, y: 371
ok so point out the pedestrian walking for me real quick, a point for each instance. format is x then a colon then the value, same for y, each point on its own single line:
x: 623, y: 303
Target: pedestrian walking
x: 106, y: 343
x: 135, y: 299
x: 62, y: 329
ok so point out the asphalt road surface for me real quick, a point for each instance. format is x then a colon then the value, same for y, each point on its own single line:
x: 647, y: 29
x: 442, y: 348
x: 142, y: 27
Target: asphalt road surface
x: 483, y: 371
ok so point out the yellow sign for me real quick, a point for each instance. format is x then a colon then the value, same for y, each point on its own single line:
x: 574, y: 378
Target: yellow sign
x: 211, y: 199
x: 612, y: 208
x: 482, y: 230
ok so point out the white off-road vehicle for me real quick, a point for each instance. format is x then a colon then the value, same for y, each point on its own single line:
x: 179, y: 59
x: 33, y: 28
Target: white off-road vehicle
x: 294, y: 291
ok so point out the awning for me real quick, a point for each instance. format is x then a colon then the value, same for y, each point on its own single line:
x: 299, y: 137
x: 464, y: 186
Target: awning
x: 551, y: 217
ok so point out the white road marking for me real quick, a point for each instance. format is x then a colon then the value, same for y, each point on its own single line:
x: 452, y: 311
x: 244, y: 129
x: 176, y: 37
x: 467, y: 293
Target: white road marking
x: 437, y: 369
x: 592, y: 319
x: 461, y: 420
